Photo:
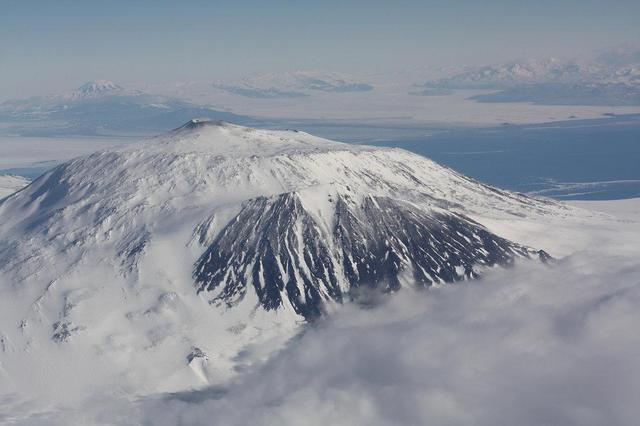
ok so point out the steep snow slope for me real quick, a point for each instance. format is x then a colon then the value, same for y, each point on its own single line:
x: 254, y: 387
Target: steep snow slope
x: 149, y: 267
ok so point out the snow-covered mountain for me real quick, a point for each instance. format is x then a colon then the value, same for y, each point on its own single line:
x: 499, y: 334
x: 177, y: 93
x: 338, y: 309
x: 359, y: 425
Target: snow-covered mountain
x: 548, y: 70
x: 94, y: 89
x: 102, y: 108
x: 48, y: 104
x: 548, y: 81
x: 144, y: 262
x: 532, y: 71
x: 296, y: 84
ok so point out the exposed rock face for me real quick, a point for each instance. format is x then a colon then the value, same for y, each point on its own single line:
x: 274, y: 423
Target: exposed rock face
x: 275, y: 246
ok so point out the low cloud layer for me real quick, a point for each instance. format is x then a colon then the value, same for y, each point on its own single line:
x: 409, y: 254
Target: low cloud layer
x: 531, y: 345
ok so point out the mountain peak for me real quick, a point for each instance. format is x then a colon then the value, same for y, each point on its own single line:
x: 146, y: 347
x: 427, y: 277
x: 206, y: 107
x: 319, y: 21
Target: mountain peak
x: 96, y: 88
x: 201, y: 122
x: 216, y: 137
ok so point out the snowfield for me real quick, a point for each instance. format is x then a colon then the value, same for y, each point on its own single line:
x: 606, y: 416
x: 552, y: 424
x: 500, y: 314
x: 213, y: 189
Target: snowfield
x: 204, y: 276
x: 10, y: 184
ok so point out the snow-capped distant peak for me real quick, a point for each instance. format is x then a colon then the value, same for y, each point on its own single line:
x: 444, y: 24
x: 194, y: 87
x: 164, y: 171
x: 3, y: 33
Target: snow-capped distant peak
x: 97, y: 88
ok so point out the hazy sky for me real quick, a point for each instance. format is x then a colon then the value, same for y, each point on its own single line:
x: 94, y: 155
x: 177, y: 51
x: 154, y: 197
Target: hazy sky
x: 54, y: 45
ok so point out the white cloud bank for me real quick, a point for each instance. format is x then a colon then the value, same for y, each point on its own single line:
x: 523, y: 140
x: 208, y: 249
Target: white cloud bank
x: 529, y: 346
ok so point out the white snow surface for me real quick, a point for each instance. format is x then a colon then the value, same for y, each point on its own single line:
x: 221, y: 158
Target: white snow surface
x: 546, y: 70
x: 79, y: 320
x: 10, y: 184
x: 32, y: 152
x: 94, y: 89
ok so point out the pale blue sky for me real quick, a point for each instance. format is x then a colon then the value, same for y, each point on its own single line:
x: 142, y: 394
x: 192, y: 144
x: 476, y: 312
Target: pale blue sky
x: 53, y: 45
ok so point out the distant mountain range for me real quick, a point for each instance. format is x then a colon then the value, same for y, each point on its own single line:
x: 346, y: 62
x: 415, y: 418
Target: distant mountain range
x: 549, y: 81
x: 558, y: 93
x: 103, y: 108
x: 297, y: 84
